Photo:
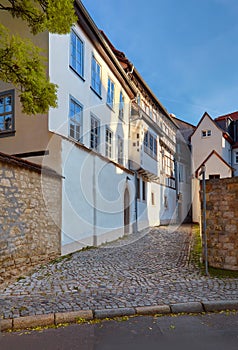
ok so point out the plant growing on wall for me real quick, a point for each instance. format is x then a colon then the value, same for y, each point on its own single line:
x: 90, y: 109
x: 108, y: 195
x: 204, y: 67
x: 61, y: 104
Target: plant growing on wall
x: 21, y: 62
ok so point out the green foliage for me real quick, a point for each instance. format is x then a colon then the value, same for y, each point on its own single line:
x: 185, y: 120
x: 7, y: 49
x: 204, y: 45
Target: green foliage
x: 196, y: 258
x: 21, y: 62
x: 23, y: 66
x: 196, y: 249
x: 56, y: 16
x: 220, y: 273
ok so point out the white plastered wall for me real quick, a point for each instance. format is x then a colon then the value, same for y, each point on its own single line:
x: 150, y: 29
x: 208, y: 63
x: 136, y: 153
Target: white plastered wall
x: 203, y: 146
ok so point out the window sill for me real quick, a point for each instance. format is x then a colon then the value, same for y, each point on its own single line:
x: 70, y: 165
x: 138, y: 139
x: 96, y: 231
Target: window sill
x: 79, y: 75
x: 79, y: 141
x: 7, y: 133
x: 111, y: 108
x: 121, y: 118
x: 96, y: 93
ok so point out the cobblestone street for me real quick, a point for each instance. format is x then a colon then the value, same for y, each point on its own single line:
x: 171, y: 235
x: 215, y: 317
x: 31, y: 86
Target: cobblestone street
x: 150, y: 268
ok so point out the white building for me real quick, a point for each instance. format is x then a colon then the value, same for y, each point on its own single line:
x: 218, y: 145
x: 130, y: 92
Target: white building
x: 85, y: 139
x: 152, y: 151
x: 184, y: 170
x: 118, y: 167
x: 214, y: 145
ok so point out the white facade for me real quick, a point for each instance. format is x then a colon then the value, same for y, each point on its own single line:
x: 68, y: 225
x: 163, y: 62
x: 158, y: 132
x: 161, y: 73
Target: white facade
x: 211, y: 147
x: 115, y: 178
x: 184, y: 171
x: 93, y: 162
x: 208, y: 137
x: 152, y: 151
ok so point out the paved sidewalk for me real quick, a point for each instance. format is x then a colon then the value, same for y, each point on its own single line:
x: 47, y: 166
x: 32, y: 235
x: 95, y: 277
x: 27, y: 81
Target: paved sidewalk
x: 147, y: 269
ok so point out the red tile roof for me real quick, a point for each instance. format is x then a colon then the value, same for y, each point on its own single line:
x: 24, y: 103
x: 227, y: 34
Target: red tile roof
x: 233, y: 115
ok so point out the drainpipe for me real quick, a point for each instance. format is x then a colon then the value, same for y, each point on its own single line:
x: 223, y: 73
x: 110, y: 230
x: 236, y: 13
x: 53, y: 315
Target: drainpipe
x: 94, y: 203
x: 136, y: 210
x: 176, y: 164
x: 204, y: 226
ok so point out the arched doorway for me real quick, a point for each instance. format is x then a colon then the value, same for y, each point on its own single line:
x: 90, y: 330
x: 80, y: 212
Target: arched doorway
x: 126, y: 212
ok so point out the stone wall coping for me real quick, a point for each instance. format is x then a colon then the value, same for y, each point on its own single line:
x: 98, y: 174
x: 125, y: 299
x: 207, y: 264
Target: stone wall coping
x: 15, y: 161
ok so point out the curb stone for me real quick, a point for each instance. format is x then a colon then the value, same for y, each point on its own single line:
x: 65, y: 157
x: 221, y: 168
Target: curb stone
x: 104, y: 313
x: 6, y: 324
x: 210, y: 306
x: 187, y: 307
x: 33, y: 321
x: 71, y: 317
x: 153, y: 310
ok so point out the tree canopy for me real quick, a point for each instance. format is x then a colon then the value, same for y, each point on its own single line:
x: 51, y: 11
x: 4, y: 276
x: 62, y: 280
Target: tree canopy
x: 21, y: 62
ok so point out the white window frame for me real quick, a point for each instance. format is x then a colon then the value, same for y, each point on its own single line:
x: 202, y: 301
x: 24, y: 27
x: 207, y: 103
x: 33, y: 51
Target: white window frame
x: 181, y: 173
x: 110, y: 92
x: 144, y: 190
x: 95, y: 133
x: 75, y: 119
x: 7, y: 116
x: 152, y: 198
x: 150, y: 144
x: 108, y: 142
x: 236, y: 157
x: 96, y: 79
x: 120, y: 150
x: 138, y: 188
x: 121, y: 106
x: 206, y: 133
x: 166, y: 203
x: 77, y: 60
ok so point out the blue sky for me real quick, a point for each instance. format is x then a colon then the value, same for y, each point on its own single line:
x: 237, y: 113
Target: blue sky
x: 186, y: 50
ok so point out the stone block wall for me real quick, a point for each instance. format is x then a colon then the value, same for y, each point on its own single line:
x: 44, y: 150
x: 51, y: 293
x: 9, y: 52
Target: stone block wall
x: 30, y: 216
x: 222, y: 223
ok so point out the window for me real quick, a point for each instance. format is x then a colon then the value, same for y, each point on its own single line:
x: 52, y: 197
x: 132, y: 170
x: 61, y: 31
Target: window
x: 96, y: 76
x: 110, y: 93
x: 120, y: 150
x: 166, y: 202
x: 108, y: 143
x: 7, y: 112
x: 138, y: 188
x: 76, y: 54
x: 147, y: 109
x: 152, y: 198
x: 150, y: 144
x: 143, y: 190
x: 236, y: 157
x: 75, y: 119
x: 121, y: 106
x: 181, y: 173
x: 155, y: 116
x: 214, y: 176
x: 95, y: 134
x: 206, y: 133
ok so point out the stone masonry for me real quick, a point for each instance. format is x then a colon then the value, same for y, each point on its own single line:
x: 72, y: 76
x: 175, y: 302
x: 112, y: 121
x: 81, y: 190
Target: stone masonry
x: 222, y: 223
x: 30, y: 216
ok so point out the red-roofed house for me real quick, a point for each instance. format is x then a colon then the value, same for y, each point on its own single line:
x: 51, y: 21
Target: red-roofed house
x: 214, y: 144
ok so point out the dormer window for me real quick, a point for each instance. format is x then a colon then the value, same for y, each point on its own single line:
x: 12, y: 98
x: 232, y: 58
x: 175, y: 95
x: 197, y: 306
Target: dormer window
x: 236, y: 157
x: 206, y: 133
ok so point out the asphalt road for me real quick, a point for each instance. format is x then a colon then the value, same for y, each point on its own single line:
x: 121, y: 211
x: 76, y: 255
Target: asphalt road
x: 209, y: 331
